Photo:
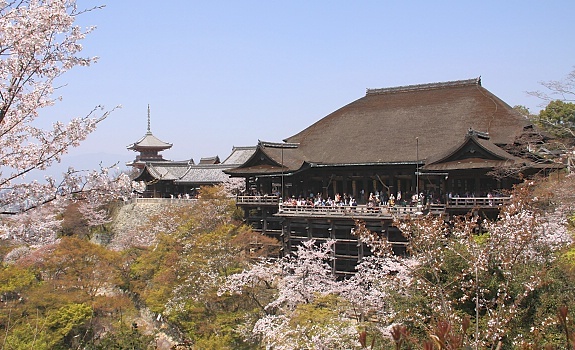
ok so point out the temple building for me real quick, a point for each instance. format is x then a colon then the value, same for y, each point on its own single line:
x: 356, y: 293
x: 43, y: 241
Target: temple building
x: 149, y: 148
x: 446, y: 147
x: 443, y: 148
x: 182, y: 179
x: 437, y: 138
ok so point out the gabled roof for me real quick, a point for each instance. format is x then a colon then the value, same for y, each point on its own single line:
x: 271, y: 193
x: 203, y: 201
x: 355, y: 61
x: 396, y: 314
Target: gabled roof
x: 381, y: 127
x: 167, y: 170
x: 271, y: 158
x: 149, y: 141
x: 186, y: 172
x: 240, y: 155
x: 210, y: 160
x: 475, y: 151
x: 204, y: 174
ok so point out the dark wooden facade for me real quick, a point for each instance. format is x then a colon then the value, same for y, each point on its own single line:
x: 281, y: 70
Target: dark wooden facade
x: 440, y: 141
x: 292, y: 224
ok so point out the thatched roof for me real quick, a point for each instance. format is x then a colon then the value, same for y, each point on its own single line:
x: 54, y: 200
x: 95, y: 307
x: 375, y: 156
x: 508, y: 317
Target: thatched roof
x: 476, y: 151
x: 382, y: 127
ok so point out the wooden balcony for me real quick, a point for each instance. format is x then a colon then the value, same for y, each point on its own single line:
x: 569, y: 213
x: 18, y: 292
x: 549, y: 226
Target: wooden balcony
x: 258, y: 200
x: 371, y: 212
x: 360, y: 211
x: 165, y: 201
x: 477, y: 202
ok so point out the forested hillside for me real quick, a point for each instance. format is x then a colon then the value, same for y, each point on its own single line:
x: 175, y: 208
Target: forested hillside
x: 193, y: 275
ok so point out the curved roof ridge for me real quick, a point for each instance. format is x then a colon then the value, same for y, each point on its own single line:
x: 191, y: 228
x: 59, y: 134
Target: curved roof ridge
x: 428, y: 86
x: 150, y: 141
x: 278, y: 144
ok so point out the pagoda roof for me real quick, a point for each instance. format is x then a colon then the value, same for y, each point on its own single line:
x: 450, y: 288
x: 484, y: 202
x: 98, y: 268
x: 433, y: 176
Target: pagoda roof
x: 150, y: 142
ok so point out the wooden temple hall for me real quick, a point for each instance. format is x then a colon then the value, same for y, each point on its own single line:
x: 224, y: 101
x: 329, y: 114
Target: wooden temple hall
x: 445, y: 147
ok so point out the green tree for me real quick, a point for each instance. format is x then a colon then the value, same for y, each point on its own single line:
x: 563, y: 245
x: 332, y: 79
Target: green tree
x: 524, y: 111
x: 59, y: 329
x: 558, y: 118
x: 125, y: 338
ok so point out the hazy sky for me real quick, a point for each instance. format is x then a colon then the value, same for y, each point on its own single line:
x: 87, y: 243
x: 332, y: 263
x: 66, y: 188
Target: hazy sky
x: 219, y: 74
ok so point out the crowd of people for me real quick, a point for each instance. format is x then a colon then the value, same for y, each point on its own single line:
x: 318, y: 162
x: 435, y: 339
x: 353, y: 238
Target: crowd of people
x: 374, y: 199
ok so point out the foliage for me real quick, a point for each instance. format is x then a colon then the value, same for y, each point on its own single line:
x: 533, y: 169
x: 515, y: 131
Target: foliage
x: 219, y: 285
x: 61, y: 295
x: 178, y: 277
x: 124, y: 337
x: 14, y: 280
x: 55, y: 331
x: 39, y: 43
x: 524, y: 111
x: 558, y: 118
x: 467, y: 283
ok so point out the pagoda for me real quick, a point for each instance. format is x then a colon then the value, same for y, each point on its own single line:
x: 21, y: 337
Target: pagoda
x: 149, y: 147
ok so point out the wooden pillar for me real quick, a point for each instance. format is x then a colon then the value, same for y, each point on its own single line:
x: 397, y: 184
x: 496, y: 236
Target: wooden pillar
x: 286, y: 231
x: 477, y: 186
x: 332, y: 237
x: 334, y: 184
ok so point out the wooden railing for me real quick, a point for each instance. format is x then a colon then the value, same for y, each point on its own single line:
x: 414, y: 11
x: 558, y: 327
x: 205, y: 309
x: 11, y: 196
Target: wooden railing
x: 359, y: 210
x: 388, y: 212
x: 346, y: 211
x: 477, y: 202
x: 259, y: 200
x: 160, y: 200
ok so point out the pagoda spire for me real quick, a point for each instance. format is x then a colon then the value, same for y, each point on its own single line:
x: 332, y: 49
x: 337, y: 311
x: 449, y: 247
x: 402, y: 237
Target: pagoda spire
x: 149, y: 147
x: 149, y: 131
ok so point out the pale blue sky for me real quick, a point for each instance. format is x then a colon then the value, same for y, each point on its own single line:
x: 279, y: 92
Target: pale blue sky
x: 219, y: 74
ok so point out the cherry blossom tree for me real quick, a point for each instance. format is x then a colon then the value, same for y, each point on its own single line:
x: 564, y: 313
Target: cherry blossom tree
x: 39, y: 42
x: 300, y: 300
x: 94, y: 213
x: 234, y: 186
x: 563, y: 90
x: 466, y: 282
x: 490, y: 271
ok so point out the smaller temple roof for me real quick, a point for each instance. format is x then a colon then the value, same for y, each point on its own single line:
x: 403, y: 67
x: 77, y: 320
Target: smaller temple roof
x: 240, y: 155
x: 204, y: 174
x: 210, y: 160
x: 475, y: 151
x: 186, y: 172
x: 167, y: 170
x: 149, y: 141
x: 270, y: 158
